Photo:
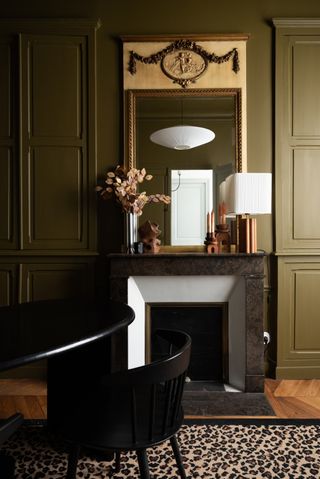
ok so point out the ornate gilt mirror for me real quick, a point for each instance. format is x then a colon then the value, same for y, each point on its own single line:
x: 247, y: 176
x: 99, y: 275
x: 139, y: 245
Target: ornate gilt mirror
x: 210, y: 94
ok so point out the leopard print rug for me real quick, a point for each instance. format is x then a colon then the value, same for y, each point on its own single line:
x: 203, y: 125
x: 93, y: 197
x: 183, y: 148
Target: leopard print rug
x: 209, y: 451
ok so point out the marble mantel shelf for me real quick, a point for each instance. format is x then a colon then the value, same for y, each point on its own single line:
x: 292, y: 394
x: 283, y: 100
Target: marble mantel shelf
x: 124, y: 265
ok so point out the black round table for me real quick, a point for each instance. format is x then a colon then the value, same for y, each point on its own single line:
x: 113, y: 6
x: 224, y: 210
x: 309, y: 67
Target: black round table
x: 73, y: 335
x: 38, y: 330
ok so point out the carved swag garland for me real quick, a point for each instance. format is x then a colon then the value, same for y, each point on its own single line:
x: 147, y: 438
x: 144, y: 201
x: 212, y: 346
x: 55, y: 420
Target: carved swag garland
x: 189, y: 71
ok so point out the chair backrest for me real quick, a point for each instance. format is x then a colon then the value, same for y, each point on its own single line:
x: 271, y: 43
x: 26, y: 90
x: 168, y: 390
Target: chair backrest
x: 146, y: 401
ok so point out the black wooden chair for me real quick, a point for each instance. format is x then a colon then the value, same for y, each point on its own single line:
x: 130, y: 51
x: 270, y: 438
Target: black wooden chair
x: 134, y: 409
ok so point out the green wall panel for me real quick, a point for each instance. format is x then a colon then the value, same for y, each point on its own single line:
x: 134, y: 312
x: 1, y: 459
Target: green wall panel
x: 56, y: 211
x: 55, y: 281
x: 7, y: 284
x: 57, y: 79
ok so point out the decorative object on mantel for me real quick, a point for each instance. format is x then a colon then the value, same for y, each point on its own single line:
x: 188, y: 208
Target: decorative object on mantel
x: 248, y: 194
x: 123, y: 185
x: 211, y: 240
x: 149, y: 233
x: 222, y: 230
x: 184, y: 61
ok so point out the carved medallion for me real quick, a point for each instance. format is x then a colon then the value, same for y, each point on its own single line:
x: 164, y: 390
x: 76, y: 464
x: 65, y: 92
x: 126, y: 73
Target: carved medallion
x: 183, y: 66
x: 183, y: 61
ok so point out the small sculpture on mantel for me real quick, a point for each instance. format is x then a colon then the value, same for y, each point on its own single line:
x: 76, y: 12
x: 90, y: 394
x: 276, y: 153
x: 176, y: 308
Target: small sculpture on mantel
x: 149, y: 233
x: 222, y: 230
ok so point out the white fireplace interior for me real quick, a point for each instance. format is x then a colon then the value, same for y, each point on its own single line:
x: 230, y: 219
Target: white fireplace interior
x: 229, y: 289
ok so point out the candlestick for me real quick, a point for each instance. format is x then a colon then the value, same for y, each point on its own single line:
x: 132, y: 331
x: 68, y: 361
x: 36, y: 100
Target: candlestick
x: 212, y: 222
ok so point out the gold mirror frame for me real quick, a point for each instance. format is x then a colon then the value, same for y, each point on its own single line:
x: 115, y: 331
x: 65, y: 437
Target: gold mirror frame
x: 224, y: 75
x: 131, y: 108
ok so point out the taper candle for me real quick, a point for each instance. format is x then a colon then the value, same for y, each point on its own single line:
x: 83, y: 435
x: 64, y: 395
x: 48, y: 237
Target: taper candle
x: 212, y: 222
x: 208, y: 223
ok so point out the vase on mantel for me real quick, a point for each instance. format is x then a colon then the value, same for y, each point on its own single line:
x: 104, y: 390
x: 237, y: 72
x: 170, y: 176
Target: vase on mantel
x: 130, y: 231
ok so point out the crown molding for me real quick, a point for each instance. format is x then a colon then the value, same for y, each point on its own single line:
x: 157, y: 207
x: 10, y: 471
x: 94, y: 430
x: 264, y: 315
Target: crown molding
x: 201, y: 37
x: 296, y: 22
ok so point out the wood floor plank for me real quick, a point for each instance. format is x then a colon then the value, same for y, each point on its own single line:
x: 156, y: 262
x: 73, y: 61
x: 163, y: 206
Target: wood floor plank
x: 22, y: 387
x: 21, y: 405
x: 298, y: 388
x: 272, y: 384
x: 42, y: 400
x: 294, y: 408
x: 274, y: 402
x: 314, y: 402
x: 7, y: 407
x: 34, y: 407
x: 288, y: 398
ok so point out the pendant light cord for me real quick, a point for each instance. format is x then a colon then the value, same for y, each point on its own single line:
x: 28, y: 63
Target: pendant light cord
x: 179, y: 182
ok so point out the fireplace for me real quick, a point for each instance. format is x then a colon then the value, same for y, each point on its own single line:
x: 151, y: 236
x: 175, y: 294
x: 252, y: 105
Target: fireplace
x: 184, y: 279
x: 207, y: 325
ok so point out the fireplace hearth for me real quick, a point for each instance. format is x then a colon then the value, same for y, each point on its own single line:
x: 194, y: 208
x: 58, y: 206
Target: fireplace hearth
x: 234, y: 280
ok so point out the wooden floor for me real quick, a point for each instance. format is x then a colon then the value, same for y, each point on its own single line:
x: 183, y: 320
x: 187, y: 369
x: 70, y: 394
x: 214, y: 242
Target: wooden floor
x: 289, y: 398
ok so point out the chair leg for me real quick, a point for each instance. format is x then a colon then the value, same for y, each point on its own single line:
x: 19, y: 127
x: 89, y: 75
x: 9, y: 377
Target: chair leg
x: 117, y: 465
x: 73, y: 462
x: 143, y: 464
x: 177, y: 455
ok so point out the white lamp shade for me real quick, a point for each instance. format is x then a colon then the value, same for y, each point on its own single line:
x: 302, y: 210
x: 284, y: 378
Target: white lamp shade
x: 248, y: 193
x: 182, y: 137
x: 223, y: 198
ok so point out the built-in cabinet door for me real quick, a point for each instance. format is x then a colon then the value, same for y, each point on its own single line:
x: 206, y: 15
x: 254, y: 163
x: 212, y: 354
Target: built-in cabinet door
x: 54, y: 142
x: 297, y: 173
x: 297, y: 141
x: 8, y: 143
x: 298, y: 313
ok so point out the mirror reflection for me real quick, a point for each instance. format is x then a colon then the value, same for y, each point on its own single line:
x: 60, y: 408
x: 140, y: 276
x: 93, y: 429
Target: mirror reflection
x: 191, y: 199
x: 191, y: 177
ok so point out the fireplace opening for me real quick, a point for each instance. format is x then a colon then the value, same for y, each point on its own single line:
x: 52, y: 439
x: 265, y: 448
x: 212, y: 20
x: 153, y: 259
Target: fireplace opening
x: 207, y: 324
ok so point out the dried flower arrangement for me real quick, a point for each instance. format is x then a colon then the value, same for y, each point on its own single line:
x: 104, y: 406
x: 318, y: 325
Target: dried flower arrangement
x: 124, y: 185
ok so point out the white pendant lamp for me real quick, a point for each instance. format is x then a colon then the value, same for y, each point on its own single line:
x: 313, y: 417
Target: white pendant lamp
x: 182, y: 137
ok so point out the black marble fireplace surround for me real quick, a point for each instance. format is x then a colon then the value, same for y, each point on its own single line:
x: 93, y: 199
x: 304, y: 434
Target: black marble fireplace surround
x: 251, y: 401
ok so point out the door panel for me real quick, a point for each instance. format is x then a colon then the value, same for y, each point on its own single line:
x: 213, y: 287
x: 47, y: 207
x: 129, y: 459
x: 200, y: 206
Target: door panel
x: 55, y: 158
x: 55, y: 92
x: 55, y: 191
x: 8, y: 135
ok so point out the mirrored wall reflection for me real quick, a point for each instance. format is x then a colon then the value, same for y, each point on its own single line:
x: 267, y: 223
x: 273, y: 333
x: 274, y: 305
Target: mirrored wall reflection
x: 217, y: 113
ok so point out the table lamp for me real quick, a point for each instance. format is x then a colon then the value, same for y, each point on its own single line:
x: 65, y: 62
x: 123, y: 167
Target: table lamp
x: 248, y: 194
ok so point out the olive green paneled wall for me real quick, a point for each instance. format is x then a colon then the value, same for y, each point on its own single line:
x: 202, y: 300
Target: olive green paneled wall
x: 178, y: 16
x: 204, y: 16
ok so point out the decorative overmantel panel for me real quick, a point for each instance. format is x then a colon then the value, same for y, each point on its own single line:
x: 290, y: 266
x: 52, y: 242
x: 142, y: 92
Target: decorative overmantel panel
x: 214, y: 61
x: 247, y: 268
x: 184, y: 63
